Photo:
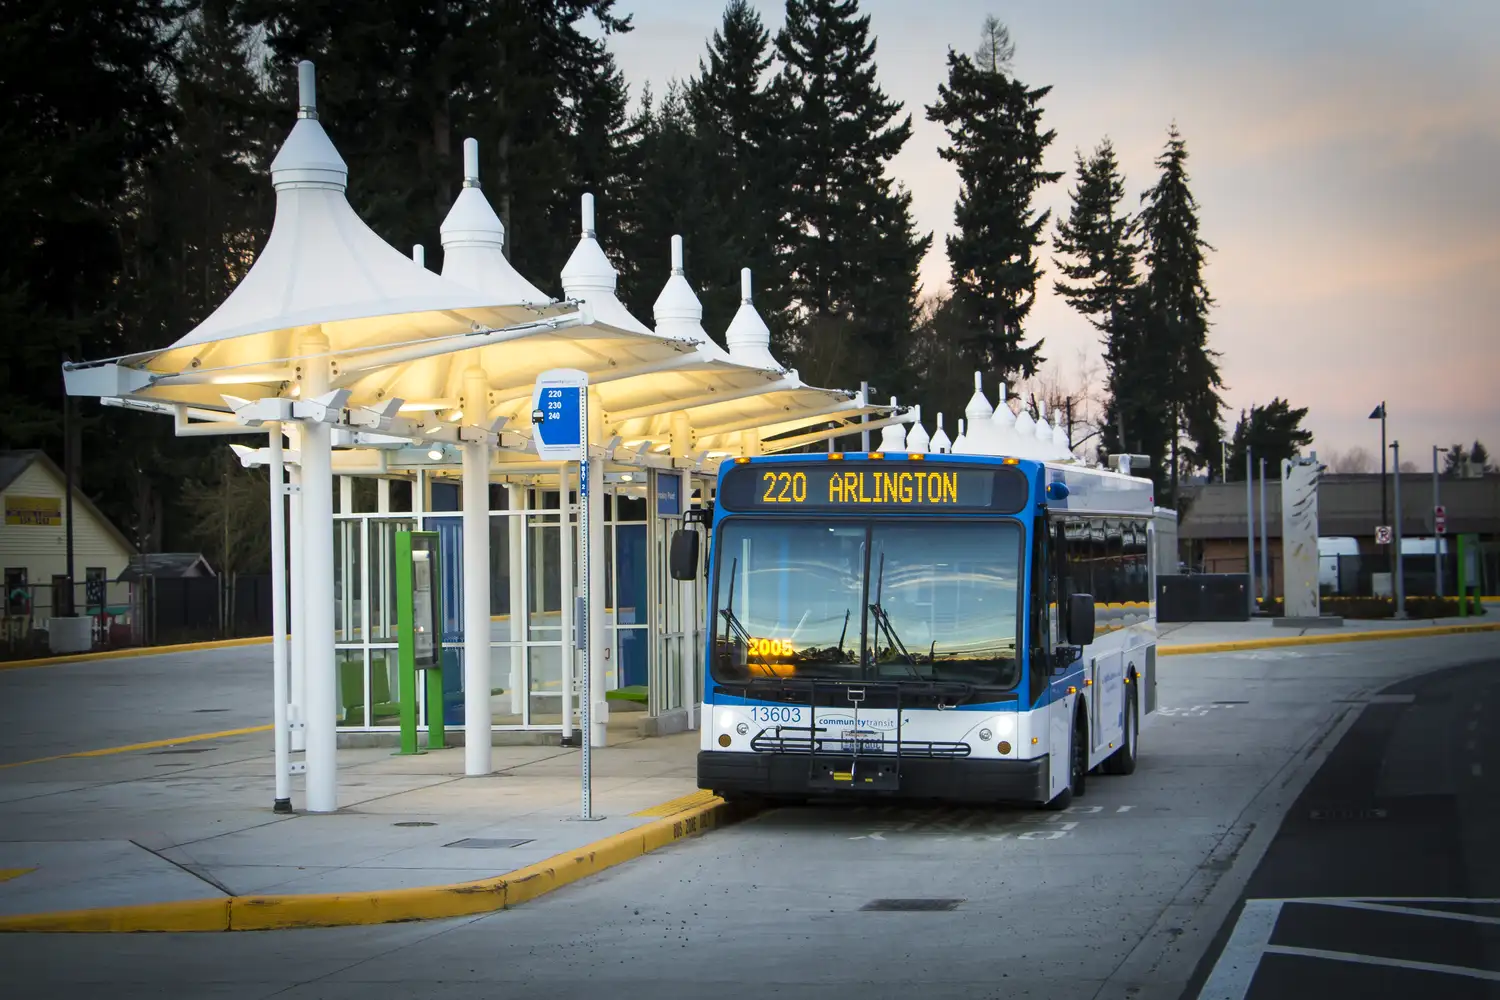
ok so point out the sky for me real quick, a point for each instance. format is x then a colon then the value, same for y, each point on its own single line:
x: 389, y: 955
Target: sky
x: 1345, y: 157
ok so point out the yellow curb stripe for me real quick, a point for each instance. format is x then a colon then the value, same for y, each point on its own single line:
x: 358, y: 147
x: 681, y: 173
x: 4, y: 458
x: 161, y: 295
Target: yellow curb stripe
x: 116, y: 654
x: 6, y: 874
x: 677, y: 805
x: 244, y: 913
x: 154, y: 744
x: 1322, y: 640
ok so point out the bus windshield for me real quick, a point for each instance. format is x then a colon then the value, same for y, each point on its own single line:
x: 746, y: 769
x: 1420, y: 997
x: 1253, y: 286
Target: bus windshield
x: 838, y: 599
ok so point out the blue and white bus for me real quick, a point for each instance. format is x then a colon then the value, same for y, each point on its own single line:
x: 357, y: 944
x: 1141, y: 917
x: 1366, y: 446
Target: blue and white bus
x: 930, y: 626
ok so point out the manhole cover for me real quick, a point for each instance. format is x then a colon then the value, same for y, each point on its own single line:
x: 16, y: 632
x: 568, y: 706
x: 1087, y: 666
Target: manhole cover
x: 486, y: 844
x: 414, y: 823
x: 912, y: 905
x: 158, y: 753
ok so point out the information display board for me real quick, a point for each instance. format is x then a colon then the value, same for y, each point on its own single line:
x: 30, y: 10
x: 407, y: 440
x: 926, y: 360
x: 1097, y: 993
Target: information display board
x: 847, y: 487
x: 419, y: 625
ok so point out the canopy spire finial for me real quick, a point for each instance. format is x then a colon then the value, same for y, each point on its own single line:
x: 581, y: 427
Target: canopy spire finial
x: 744, y: 284
x: 677, y: 267
x: 471, y: 163
x: 307, y: 90
x: 588, y: 215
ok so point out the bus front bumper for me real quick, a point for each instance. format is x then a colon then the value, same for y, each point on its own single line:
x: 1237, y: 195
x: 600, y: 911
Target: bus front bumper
x: 798, y: 775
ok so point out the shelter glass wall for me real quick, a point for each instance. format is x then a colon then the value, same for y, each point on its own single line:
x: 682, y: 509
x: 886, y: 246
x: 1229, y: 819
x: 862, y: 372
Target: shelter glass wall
x: 526, y: 602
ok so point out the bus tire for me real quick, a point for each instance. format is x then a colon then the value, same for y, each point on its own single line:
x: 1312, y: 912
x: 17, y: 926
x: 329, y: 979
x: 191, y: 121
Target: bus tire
x: 1122, y: 761
x: 1078, y: 758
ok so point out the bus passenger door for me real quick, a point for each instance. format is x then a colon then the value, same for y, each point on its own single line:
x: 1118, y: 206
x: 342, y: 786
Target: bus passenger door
x: 1046, y: 622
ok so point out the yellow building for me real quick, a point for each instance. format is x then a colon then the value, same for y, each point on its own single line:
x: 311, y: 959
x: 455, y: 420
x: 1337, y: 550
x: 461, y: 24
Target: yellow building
x: 34, y: 547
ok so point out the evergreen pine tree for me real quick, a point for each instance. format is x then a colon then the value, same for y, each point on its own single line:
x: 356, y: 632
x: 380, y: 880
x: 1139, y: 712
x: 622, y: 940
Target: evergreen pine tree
x: 735, y: 117
x: 996, y: 141
x: 1099, y: 245
x: 1174, y: 350
x: 854, y: 251
x: 1272, y: 432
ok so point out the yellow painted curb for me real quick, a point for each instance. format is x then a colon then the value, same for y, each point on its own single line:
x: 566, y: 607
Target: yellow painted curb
x: 384, y: 906
x: 1321, y: 640
x: 116, y: 654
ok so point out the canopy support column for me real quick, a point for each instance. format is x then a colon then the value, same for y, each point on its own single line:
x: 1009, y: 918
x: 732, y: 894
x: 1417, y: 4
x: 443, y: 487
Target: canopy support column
x: 280, y: 681
x: 517, y: 584
x: 297, y: 710
x: 478, y: 720
x: 317, y: 535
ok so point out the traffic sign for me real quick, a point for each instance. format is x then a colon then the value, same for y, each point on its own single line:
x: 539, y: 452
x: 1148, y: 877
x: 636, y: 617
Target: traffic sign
x: 558, y: 408
x: 1440, y: 510
x: 1383, y: 535
x: 1440, y: 525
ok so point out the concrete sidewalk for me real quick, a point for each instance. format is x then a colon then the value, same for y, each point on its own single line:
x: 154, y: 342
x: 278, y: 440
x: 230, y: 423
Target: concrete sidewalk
x: 194, y: 822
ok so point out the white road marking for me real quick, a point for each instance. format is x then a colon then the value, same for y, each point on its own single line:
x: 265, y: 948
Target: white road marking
x: 1473, y: 724
x: 1397, y: 963
x: 1416, y: 911
x: 1469, y: 745
x: 1124, y: 809
x: 1230, y: 979
x: 1476, y: 770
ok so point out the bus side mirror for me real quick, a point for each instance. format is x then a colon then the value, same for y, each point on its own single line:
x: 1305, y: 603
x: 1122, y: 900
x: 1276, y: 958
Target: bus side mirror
x: 683, y: 559
x: 1080, y: 619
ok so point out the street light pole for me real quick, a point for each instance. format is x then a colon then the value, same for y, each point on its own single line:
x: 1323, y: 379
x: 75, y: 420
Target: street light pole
x: 1379, y: 413
x: 1396, y: 534
x: 1437, y: 540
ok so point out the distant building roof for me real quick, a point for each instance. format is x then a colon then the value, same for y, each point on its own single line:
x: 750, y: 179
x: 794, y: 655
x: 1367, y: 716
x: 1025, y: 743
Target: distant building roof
x: 1348, y: 505
x: 14, y: 463
x: 167, y: 564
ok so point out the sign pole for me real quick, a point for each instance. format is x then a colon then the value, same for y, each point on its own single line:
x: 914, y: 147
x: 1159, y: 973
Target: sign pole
x: 560, y: 418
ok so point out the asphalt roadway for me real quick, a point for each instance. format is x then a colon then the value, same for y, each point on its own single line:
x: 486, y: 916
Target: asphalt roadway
x: 1383, y: 880
x: 1135, y: 892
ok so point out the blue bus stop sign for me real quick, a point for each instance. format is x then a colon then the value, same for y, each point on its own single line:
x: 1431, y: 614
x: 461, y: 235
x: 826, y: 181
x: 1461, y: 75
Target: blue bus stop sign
x: 558, y: 411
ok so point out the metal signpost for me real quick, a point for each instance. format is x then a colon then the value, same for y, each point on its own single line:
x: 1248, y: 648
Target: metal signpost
x: 560, y: 417
x: 420, y: 633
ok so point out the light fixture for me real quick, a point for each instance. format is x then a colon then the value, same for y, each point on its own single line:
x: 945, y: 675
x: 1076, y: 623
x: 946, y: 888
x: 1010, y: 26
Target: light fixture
x: 454, y: 416
x: 436, y: 454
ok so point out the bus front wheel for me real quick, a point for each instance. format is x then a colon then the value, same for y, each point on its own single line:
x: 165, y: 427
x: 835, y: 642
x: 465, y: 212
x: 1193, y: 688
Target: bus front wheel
x: 1078, y: 765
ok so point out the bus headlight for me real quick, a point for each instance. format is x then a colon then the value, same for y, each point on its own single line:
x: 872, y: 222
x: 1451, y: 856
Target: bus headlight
x: 726, y: 720
x: 1005, y: 726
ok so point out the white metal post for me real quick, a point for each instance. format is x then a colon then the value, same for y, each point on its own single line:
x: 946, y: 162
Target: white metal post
x: 1437, y: 546
x: 297, y: 713
x: 1265, y: 548
x: 478, y: 719
x: 567, y: 651
x: 280, y: 681
x: 585, y: 578
x: 600, y: 654
x: 1250, y: 525
x: 1398, y: 564
x: 382, y: 496
x: 317, y: 536
x: 518, y: 623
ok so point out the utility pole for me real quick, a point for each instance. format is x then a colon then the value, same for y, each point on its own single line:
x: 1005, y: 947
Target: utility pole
x: 864, y: 401
x: 1396, y: 534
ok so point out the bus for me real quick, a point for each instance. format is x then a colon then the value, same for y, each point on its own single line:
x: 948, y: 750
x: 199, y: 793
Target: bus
x: 927, y: 626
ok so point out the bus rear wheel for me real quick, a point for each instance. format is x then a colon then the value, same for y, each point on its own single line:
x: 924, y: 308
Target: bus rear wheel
x: 1122, y: 761
x: 1078, y: 765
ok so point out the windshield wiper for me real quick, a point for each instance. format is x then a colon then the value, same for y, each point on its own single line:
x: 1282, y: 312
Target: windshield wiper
x: 733, y: 621
x: 883, y: 621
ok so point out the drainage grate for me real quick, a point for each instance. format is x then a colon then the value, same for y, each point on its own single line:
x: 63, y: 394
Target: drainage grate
x: 417, y: 822
x: 210, y: 710
x: 923, y: 905
x: 1346, y: 813
x: 1231, y: 703
x: 158, y: 753
x: 486, y: 844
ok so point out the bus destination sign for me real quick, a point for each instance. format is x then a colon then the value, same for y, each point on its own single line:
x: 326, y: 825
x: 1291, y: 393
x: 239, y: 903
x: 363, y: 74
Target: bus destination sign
x: 873, y: 486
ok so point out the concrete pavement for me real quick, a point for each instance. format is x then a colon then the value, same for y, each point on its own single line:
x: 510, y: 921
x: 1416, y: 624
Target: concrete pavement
x: 1118, y: 897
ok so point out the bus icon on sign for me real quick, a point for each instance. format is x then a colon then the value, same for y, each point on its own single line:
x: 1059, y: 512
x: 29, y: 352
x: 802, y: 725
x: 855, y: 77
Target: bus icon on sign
x: 1383, y: 535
